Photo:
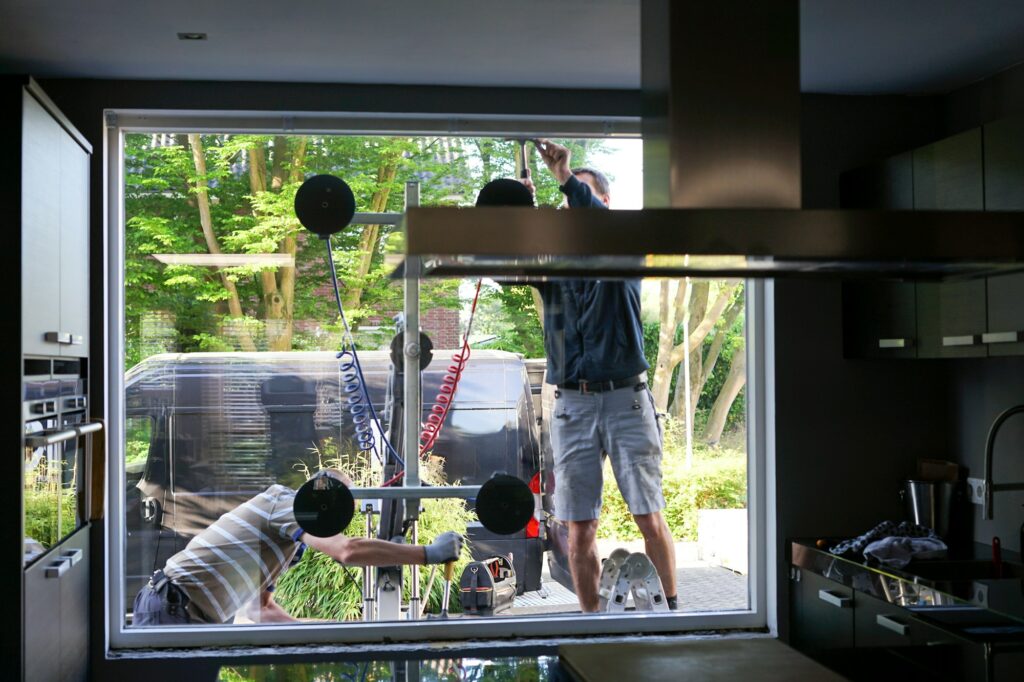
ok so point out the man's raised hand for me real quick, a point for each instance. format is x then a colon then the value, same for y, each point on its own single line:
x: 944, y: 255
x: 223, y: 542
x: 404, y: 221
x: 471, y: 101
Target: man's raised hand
x: 556, y: 158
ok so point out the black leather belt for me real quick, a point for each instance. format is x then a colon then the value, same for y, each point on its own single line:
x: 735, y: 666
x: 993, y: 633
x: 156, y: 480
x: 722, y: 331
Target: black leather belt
x: 601, y: 386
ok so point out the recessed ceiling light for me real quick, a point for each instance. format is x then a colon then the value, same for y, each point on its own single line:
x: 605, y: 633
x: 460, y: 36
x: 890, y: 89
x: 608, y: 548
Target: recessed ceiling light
x: 191, y: 36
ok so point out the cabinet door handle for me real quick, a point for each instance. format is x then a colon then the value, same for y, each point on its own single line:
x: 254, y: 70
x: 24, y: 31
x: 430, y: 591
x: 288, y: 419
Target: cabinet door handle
x: 1000, y: 337
x: 968, y: 340
x: 834, y: 599
x: 890, y: 623
x: 73, y: 556
x: 39, y: 440
x: 57, y: 568
x: 892, y: 343
x: 57, y: 337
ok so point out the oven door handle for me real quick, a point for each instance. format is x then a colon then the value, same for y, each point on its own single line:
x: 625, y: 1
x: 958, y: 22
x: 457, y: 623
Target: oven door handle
x: 39, y: 440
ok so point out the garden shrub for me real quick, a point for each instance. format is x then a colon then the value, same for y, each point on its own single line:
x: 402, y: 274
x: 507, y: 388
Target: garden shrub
x: 320, y: 588
x: 716, y: 480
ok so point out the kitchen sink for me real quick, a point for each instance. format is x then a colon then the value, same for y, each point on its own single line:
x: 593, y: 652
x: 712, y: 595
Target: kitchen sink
x: 969, y: 569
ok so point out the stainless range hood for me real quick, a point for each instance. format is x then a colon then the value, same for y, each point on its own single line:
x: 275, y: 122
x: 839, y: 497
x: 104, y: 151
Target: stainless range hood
x: 721, y: 134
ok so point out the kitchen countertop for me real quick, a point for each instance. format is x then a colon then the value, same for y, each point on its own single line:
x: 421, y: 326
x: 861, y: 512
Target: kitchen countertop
x: 986, y: 610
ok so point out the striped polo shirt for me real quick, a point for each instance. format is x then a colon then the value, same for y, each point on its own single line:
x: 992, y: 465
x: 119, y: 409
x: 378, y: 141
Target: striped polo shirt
x: 238, y: 557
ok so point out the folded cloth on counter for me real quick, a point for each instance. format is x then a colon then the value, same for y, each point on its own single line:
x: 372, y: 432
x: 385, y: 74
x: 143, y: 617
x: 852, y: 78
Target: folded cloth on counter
x: 899, y: 551
x: 886, y: 529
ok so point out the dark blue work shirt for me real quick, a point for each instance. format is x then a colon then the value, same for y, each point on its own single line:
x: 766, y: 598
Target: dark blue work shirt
x: 592, y: 328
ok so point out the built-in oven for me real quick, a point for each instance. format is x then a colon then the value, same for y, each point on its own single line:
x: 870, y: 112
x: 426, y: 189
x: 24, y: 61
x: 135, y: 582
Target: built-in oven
x: 58, y: 438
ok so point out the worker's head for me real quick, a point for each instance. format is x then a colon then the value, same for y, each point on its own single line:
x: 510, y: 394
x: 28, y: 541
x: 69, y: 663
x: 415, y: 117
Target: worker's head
x: 597, y: 181
x: 504, y: 192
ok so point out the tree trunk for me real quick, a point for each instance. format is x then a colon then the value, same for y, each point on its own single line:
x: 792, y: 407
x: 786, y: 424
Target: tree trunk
x: 371, y: 233
x: 734, y: 382
x: 290, y: 246
x: 205, y: 220
x: 670, y: 313
x: 278, y: 288
x: 719, y: 340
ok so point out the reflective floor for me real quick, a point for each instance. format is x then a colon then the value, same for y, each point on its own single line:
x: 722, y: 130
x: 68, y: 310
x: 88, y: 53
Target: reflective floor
x: 527, y: 669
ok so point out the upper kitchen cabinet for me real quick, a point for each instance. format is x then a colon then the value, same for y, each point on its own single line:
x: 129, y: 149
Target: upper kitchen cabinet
x: 951, y: 319
x: 1004, y: 191
x: 888, y: 184
x: 1004, y: 165
x: 948, y: 174
x: 880, y: 320
x: 55, y: 231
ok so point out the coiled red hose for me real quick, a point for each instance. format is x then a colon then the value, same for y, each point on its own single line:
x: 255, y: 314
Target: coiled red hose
x: 449, y: 385
x: 445, y: 396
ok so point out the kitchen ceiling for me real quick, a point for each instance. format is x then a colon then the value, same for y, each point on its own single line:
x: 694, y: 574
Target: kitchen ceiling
x: 848, y: 46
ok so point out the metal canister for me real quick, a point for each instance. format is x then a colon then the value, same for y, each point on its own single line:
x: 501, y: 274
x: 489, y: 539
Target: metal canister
x: 928, y: 503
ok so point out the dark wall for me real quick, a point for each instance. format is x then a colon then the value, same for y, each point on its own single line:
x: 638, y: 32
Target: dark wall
x: 847, y: 431
x: 981, y: 389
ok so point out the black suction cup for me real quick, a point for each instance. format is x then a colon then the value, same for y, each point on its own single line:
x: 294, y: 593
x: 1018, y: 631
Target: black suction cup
x: 324, y: 506
x: 504, y: 504
x: 325, y: 204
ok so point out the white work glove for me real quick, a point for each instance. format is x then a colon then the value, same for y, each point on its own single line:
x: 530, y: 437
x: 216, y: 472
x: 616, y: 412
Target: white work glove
x: 445, y: 547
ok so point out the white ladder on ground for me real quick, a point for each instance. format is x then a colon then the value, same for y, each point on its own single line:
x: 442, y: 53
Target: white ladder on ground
x: 625, y: 573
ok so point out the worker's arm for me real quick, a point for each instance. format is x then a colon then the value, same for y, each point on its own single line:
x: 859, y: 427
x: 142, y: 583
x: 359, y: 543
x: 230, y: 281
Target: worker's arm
x: 556, y: 158
x: 370, y: 552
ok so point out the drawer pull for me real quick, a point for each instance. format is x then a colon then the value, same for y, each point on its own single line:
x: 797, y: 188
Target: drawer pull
x: 890, y: 623
x: 73, y: 556
x: 57, y: 568
x: 968, y: 340
x: 835, y: 599
x: 892, y: 343
x: 1000, y: 337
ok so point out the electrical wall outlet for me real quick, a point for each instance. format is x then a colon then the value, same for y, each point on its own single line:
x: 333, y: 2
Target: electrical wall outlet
x: 979, y: 594
x: 976, y: 490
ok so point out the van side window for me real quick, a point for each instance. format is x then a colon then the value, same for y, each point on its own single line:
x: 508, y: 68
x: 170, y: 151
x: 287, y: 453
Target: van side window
x: 213, y: 454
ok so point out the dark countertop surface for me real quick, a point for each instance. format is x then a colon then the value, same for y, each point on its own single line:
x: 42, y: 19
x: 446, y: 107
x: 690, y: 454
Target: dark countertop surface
x: 984, y: 609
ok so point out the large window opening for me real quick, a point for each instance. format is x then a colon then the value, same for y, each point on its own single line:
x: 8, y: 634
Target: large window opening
x: 229, y: 384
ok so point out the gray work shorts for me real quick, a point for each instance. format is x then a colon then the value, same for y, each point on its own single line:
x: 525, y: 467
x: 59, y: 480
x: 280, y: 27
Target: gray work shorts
x: 621, y: 424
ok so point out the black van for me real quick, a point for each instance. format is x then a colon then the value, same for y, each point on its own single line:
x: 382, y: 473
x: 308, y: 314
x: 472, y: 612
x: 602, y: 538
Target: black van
x: 206, y: 431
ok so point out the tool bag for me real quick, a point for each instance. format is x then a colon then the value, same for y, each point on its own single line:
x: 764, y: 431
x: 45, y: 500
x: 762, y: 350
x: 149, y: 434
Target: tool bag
x: 488, y: 587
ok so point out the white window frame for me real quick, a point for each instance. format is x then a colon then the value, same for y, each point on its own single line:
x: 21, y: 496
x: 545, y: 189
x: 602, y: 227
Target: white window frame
x: 760, y: 481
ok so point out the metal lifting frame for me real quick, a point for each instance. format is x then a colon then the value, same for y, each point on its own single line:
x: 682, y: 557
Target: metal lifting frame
x: 384, y: 601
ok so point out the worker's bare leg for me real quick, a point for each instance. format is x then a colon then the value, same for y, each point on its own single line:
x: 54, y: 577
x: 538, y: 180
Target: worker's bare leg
x: 584, y: 562
x: 659, y: 548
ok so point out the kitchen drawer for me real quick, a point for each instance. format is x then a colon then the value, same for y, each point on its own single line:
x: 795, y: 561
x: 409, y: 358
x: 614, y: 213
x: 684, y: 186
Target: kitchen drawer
x: 936, y: 654
x: 879, y: 623
x: 822, y: 614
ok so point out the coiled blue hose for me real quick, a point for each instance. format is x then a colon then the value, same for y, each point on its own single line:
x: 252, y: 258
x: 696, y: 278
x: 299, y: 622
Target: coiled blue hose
x: 353, y: 384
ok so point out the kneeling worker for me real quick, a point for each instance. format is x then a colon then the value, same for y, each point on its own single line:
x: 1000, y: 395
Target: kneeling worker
x: 240, y: 557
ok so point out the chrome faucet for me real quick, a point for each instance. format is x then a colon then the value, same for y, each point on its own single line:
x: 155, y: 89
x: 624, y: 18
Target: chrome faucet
x: 990, y: 487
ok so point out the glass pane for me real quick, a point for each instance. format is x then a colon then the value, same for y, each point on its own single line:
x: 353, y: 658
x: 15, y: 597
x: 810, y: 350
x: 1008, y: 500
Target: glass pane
x: 236, y: 394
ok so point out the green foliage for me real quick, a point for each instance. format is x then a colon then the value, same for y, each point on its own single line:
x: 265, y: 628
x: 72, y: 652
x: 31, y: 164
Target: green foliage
x: 508, y: 313
x: 526, y: 669
x: 320, y: 588
x: 50, y: 508
x: 184, y: 308
x: 717, y: 480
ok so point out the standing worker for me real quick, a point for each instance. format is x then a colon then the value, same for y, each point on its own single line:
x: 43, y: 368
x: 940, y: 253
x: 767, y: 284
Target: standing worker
x: 593, y: 339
